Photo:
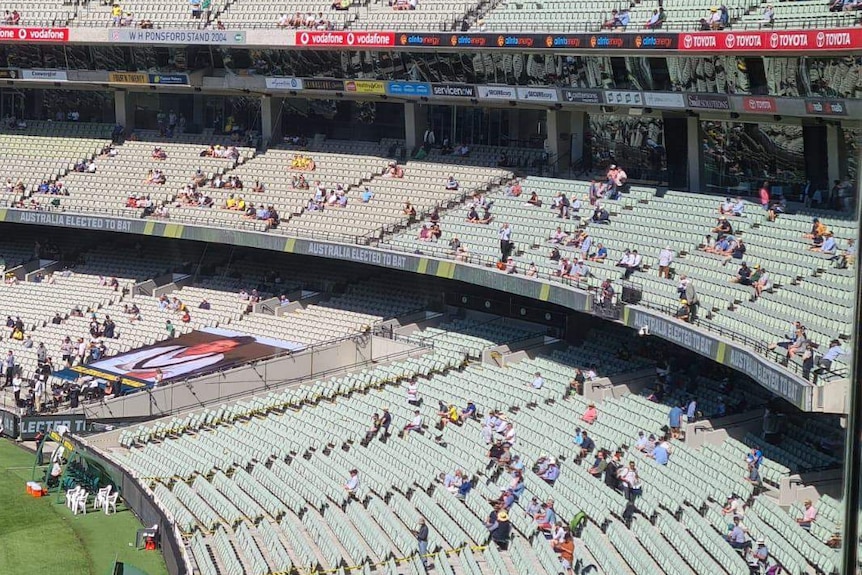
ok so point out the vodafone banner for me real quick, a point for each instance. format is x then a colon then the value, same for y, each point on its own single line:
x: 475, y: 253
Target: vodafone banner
x: 773, y: 41
x: 14, y: 34
x: 346, y: 39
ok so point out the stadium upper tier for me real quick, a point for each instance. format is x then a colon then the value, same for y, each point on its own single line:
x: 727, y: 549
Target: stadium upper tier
x: 434, y: 15
x: 258, y: 486
x: 364, y: 197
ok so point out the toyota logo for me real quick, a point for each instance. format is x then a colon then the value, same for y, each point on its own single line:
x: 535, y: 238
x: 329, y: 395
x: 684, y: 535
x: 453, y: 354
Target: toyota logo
x: 303, y: 38
x: 686, y: 41
x: 730, y: 41
x: 350, y: 39
x: 821, y: 39
x: 773, y: 40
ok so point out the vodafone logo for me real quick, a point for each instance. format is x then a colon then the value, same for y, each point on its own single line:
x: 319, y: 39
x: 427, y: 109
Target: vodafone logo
x: 774, y: 40
x: 730, y: 41
x: 34, y: 34
x: 687, y: 41
x: 303, y: 38
x: 821, y: 39
x: 351, y: 39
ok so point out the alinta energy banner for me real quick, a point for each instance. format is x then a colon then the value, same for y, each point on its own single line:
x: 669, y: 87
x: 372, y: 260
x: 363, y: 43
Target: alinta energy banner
x: 189, y: 355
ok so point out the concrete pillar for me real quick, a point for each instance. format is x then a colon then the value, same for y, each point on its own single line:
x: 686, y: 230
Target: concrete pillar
x: 124, y: 109
x: 834, y: 151
x: 693, y: 138
x: 514, y: 129
x: 552, y: 143
x: 198, y: 109
x: 577, y: 129
x: 415, y: 124
x: 270, y: 119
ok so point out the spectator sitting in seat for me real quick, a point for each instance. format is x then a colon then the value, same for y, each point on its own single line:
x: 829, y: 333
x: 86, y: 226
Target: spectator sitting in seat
x: 599, y: 464
x: 736, y: 250
x: 547, y: 517
x: 661, y: 453
x: 352, y: 483
x: 452, y: 183
x: 809, y: 516
x: 559, y: 236
x: 736, y: 536
x: 723, y: 227
x: 818, y: 230
x: 600, y: 255
x: 534, y: 200
x: 797, y: 342
x: 743, y: 275
x: 552, y: 473
x: 768, y: 16
x: 827, y: 246
x: 448, y: 415
x: 655, y: 21
x: 414, y: 425
x: 734, y: 506
x: 587, y: 444
x: 591, y: 414
x: 777, y: 206
x: 510, y: 266
x: 601, y: 215
x: 760, y: 280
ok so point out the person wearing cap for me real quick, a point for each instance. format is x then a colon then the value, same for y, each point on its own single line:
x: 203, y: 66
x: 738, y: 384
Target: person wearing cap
x: 723, y: 227
x: 601, y: 215
x: 758, y: 558
x: 501, y: 530
x: 743, y: 275
x: 809, y: 515
x: 683, y: 312
x: 591, y: 414
x: 641, y: 442
x: 533, y: 508
x: 552, y: 473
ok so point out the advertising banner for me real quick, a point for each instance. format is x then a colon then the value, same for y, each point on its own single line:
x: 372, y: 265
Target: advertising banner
x: 45, y: 75
x: 32, y: 426
x: 672, y: 100
x: 538, y: 94
x: 821, y: 107
x: 8, y: 424
x: 183, y: 37
x: 10, y: 73
x: 190, y: 355
x: 346, y: 39
x: 623, y: 98
x: 772, y: 41
x: 454, y: 90
x: 284, y: 83
x: 324, y: 84
x: 759, y: 104
x: 169, y: 79
x: 708, y: 101
x: 27, y: 35
x: 365, y: 86
x: 128, y: 78
x: 408, y: 88
x: 497, y: 93
x: 578, y: 96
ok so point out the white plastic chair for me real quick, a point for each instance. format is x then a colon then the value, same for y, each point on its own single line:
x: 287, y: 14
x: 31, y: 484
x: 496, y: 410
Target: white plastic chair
x: 80, y: 503
x: 111, y: 503
x: 101, y: 496
x: 71, y: 495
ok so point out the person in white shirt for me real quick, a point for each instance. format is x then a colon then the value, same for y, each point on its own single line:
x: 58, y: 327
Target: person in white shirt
x: 538, y: 381
x: 415, y: 423
x: 413, y: 393
x: 352, y: 483
x: 665, y: 257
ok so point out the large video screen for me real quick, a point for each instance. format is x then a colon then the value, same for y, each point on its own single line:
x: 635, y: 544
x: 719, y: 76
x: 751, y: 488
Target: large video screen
x: 190, y: 355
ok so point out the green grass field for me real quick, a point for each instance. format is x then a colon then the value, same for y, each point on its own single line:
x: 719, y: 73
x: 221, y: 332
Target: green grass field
x: 42, y: 536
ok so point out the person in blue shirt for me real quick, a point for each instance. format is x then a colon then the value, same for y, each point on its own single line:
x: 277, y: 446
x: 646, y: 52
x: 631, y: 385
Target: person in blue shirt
x: 675, y: 420
x: 551, y: 473
x: 661, y: 453
x: 469, y: 412
x: 587, y: 444
x: 465, y: 488
x: 366, y: 195
x: 691, y: 410
x: 736, y: 537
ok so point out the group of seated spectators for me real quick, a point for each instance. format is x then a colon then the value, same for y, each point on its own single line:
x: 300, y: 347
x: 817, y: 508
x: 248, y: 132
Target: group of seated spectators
x: 393, y: 170
x: 309, y: 20
x: 302, y: 163
x: 332, y: 198
x: 404, y: 4
x: 217, y: 151
x: 717, y: 19
x: 156, y: 176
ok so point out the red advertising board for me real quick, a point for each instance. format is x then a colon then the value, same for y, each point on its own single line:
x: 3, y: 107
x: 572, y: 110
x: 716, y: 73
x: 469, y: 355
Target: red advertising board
x: 16, y: 34
x: 759, y: 104
x: 773, y: 41
x: 345, y: 39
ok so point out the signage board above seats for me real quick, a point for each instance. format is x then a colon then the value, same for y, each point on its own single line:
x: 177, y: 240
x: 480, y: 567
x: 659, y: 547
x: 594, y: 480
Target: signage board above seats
x: 45, y: 75
x: 453, y: 90
x: 418, y: 89
x: 774, y: 41
x: 179, y: 37
x: 150, y: 79
x: 659, y: 40
x: 14, y: 35
x: 328, y: 39
x: 538, y: 94
x: 284, y: 83
x: 365, y: 87
x: 825, y: 107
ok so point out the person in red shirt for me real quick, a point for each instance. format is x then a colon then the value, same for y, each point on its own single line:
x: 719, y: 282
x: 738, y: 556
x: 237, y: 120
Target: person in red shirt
x: 764, y: 195
x: 591, y: 414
